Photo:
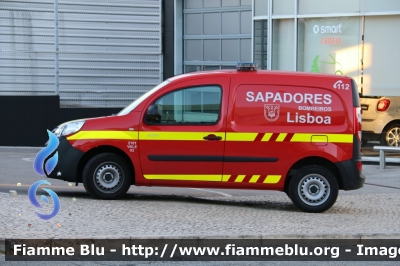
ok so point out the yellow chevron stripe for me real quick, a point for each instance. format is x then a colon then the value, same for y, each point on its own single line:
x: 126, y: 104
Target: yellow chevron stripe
x: 281, y: 137
x: 318, y: 137
x: 254, y: 179
x: 267, y: 137
x: 233, y: 136
x: 272, y: 179
x: 103, y: 134
x: 239, y: 178
x: 156, y: 135
x: 215, y: 178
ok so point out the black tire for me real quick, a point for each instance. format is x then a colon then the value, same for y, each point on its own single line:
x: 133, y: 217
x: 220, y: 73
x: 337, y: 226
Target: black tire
x: 313, y: 189
x: 286, y: 190
x: 107, y: 176
x: 391, y: 136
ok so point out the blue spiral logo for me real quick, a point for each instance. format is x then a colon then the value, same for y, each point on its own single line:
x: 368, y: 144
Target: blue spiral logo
x: 44, y: 164
x: 32, y: 197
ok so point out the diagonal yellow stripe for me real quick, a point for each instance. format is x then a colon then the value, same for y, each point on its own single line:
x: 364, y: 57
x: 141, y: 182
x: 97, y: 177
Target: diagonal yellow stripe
x: 267, y: 137
x: 103, y: 134
x: 254, y: 179
x: 281, y: 137
x: 239, y: 178
x: 272, y: 179
x: 156, y: 135
x: 233, y: 136
x: 185, y: 177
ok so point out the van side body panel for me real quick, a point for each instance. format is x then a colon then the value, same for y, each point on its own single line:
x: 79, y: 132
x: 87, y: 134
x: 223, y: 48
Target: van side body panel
x: 268, y: 121
x: 285, y: 118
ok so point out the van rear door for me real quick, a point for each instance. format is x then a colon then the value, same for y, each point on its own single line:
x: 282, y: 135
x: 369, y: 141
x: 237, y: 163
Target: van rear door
x: 271, y: 127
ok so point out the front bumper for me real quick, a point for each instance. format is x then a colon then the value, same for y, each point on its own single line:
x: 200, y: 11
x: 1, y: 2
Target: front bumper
x: 68, y: 161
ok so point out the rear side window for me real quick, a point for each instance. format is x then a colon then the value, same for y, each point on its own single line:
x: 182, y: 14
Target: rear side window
x: 196, y: 105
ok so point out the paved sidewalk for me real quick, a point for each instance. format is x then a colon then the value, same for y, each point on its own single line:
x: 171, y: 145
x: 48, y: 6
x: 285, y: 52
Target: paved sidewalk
x: 367, y: 215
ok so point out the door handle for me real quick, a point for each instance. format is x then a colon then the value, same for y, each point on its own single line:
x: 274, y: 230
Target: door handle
x: 212, y: 137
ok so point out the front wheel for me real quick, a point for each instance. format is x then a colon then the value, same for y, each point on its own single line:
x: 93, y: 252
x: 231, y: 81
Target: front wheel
x: 107, y: 176
x: 391, y: 137
x: 313, y: 189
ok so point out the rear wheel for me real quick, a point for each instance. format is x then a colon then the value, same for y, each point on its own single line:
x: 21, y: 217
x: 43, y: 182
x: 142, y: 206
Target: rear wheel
x: 107, y: 176
x: 313, y: 189
x: 391, y: 137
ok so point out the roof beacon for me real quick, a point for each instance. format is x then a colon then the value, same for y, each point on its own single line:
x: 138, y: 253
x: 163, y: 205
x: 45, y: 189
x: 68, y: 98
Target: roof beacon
x: 246, y: 66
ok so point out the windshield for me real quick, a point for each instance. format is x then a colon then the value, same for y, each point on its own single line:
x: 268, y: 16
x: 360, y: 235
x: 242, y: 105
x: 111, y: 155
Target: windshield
x: 139, y: 100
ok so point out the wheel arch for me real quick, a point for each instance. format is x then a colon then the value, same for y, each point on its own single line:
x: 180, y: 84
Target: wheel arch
x: 314, y: 160
x: 102, y: 149
x: 385, y: 130
x: 388, y: 125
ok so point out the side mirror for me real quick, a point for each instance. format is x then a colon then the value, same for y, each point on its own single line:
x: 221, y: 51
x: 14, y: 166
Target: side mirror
x: 152, y: 114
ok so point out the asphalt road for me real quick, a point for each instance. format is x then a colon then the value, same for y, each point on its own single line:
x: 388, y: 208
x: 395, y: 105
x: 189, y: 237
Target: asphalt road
x: 16, y: 173
x: 16, y: 167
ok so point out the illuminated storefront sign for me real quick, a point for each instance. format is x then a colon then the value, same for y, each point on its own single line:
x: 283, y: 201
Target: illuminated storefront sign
x: 330, y: 45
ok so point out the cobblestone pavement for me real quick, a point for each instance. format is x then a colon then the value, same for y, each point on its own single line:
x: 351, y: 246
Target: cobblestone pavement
x: 373, y: 210
x: 141, y: 216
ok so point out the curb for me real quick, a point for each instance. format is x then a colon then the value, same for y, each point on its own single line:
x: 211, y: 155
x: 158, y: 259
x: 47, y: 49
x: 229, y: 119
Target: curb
x: 358, y: 238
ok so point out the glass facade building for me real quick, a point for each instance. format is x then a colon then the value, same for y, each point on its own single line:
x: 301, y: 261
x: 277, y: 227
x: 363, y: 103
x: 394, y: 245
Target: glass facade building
x: 356, y: 38
x: 100, y: 53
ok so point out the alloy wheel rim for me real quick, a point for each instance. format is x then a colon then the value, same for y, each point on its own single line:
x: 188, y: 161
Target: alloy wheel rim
x: 393, y: 137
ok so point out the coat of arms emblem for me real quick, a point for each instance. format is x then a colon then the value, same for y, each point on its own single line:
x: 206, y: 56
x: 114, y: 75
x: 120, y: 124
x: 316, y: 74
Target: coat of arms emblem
x: 271, y: 112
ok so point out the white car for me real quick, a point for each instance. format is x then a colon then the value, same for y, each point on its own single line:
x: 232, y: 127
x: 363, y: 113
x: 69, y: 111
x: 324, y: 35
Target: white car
x: 381, y: 119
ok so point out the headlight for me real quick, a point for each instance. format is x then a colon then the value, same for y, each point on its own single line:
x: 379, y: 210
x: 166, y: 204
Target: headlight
x: 58, y: 130
x: 68, y: 128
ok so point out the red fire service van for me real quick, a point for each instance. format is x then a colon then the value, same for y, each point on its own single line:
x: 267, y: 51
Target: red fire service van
x: 234, y: 129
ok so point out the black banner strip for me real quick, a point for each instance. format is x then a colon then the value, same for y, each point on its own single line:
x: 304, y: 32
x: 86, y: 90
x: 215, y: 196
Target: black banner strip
x: 197, y: 249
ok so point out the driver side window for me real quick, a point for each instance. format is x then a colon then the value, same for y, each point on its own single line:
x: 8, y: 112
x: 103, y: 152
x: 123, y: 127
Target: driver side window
x: 197, y: 105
